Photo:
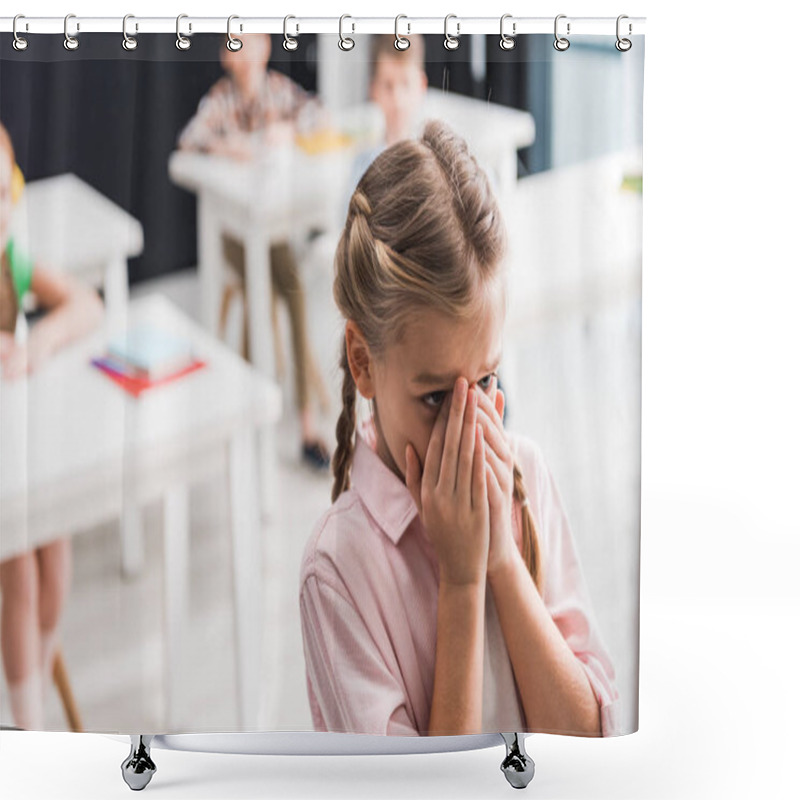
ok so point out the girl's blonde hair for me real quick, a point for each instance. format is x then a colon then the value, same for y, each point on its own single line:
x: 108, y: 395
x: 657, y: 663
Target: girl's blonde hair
x: 423, y: 230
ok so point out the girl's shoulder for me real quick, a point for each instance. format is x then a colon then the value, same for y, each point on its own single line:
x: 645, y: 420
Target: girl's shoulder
x: 339, y: 540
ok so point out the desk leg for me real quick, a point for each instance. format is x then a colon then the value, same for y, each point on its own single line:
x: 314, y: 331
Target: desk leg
x: 176, y: 594
x: 115, y: 291
x: 247, y: 574
x: 259, y: 302
x: 259, y: 331
x: 131, y: 524
x: 209, y: 262
x: 268, y: 472
x: 507, y: 172
x: 131, y: 539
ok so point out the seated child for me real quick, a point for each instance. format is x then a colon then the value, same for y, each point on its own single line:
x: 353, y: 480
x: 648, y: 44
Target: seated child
x: 33, y: 585
x: 250, y: 107
x: 397, y: 85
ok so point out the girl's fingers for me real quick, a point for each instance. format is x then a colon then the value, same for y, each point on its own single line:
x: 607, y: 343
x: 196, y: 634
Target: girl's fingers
x: 433, y: 455
x: 500, y: 403
x: 467, y: 450
x: 486, y: 401
x: 495, y: 438
x: 479, y: 498
x: 452, y: 437
x: 414, y: 476
x: 494, y: 461
x: 493, y: 490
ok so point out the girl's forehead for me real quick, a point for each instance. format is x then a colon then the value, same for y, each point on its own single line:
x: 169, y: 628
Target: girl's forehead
x: 436, y: 344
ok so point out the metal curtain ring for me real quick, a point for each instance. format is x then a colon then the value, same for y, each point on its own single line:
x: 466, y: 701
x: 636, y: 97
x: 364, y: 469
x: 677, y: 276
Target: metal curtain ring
x: 451, y: 42
x: 70, y: 42
x: 507, y: 42
x: 289, y: 43
x: 561, y: 43
x: 233, y: 44
x: 345, y: 42
x: 128, y: 42
x: 182, y: 42
x: 401, y: 42
x: 623, y: 45
x: 19, y: 43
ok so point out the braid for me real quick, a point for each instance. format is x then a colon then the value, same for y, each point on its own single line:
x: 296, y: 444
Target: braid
x: 531, y: 553
x: 345, y: 428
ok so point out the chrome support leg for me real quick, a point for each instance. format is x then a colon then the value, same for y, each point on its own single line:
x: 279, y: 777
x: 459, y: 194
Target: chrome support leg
x: 138, y: 768
x: 517, y: 766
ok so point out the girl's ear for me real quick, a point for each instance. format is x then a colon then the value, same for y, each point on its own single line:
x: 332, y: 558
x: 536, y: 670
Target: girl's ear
x: 359, y: 359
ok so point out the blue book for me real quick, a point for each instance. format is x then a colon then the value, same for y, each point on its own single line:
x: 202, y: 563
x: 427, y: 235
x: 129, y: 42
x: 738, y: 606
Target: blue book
x: 151, y: 352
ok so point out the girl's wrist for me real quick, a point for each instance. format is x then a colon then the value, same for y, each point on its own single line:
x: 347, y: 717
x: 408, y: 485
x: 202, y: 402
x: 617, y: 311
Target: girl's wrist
x: 462, y: 584
x: 501, y: 567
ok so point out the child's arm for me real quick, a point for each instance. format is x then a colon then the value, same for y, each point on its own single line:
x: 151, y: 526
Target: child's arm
x: 456, y: 705
x: 210, y: 131
x: 556, y: 691
x: 450, y: 493
x: 74, y: 310
x: 565, y: 677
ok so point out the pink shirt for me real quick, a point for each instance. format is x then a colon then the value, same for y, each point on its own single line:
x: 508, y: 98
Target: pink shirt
x: 368, y: 601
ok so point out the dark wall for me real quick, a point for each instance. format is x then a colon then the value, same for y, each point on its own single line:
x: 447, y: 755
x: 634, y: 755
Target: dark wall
x: 112, y: 117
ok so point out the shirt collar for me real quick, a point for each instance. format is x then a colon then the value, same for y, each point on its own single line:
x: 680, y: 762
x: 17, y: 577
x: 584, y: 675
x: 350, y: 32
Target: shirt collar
x: 385, y: 496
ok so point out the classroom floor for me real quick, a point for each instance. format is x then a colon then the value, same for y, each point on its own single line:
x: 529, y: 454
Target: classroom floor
x: 570, y: 372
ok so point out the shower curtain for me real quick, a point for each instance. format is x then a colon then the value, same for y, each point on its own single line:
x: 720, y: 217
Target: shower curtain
x: 207, y: 519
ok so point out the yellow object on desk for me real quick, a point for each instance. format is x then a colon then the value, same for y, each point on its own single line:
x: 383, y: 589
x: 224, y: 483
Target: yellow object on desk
x: 322, y: 141
x: 17, y: 183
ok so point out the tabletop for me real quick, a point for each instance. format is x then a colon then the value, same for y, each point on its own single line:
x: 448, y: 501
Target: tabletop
x: 74, y: 446
x: 64, y: 223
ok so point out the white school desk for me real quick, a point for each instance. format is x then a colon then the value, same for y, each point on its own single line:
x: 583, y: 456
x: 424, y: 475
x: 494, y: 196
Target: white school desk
x: 260, y: 202
x: 65, y: 224
x: 77, y: 450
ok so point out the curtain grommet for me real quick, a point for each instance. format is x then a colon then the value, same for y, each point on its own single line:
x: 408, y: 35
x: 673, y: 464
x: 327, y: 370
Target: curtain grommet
x: 561, y: 43
x: 182, y: 42
x: 507, y: 42
x: 401, y: 42
x: 233, y: 44
x: 623, y: 45
x: 289, y: 42
x: 346, y: 43
x: 20, y: 43
x: 70, y: 42
x: 451, y: 42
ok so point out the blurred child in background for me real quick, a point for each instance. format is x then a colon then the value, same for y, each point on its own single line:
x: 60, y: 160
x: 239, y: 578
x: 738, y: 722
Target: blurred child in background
x: 397, y: 85
x: 249, y: 108
x: 33, y: 585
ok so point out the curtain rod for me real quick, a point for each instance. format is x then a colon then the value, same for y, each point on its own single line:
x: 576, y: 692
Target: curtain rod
x: 298, y: 25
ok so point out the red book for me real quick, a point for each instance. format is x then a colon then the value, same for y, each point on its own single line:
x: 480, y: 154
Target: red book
x: 136, y: 386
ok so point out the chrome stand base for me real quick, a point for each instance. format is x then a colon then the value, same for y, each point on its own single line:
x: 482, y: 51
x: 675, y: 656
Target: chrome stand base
x: 138, y: 768
x: 517, y: 766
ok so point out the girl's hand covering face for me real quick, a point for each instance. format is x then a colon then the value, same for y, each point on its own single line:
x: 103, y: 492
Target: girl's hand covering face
x: 451, y: 491
x: 499, y: 477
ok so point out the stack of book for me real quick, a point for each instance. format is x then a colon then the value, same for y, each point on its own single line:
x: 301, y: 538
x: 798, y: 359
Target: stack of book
x: 144, y: 357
